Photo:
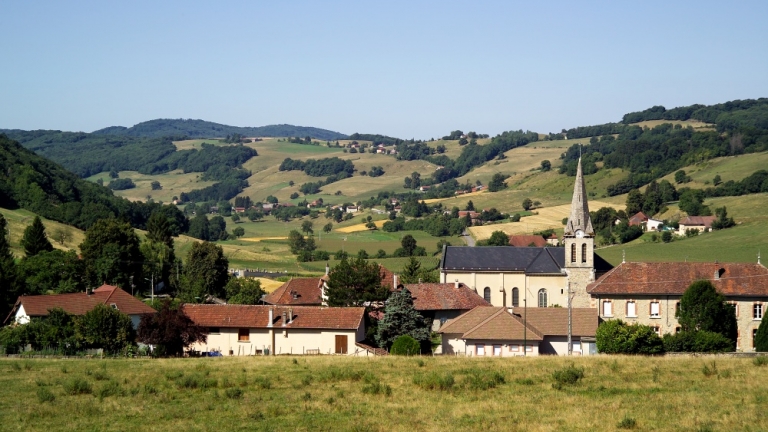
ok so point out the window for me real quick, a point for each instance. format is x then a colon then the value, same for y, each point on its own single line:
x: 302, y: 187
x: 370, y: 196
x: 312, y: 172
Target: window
x: 678, y: 329
x: 515, y: 297
x: 542, y: 298
x: 529, y: 348
x: 113, y: 306
x: 657, y: 330
x: 243, y: 335
x: 677, y: 308
x: 576, y: 346
x: 487, y: 294
x: 607, y: 308
x: 754, y: 338
x: 213, y: 330
x: 655, y: 309
x: 480, y: 349
x: 735, y: 307
x: 584, y: 253
x: 631, y: 309
x: 573, y: 253
x: 514, y: 348
x: 757, y: 311
x: 497, y: 350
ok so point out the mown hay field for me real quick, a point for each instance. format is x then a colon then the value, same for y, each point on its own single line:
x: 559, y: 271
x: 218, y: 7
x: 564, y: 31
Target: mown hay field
x: 18, y: 220
x: 384, y: 394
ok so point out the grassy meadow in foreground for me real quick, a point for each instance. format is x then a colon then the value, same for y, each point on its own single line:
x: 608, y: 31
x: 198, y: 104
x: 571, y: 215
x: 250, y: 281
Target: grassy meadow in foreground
x: 343, y: 393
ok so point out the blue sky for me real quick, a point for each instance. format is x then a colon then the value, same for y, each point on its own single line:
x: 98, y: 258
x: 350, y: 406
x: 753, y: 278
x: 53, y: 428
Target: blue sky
x: 401, y: 68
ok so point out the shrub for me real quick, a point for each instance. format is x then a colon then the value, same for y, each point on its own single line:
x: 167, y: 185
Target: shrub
x: 233, y: 393
x: 760, y: 361
x: 377, y: 388
x: 709, y: 371
x: 435, y: 381
x: 110, y: 388
x: 627, y: 423
x: 263, y: 383
x: 618, y: 337
x: 697, y: 341
x: 567, y: 376
x: 761, y: 338
x: 78, y: 386
x: 45, y: 395
x: 483, y: 379
x: 405, y: 345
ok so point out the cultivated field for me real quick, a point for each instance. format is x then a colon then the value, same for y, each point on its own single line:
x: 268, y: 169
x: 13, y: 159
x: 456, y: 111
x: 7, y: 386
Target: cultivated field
x: 173, y: 183
x: 383, y: 394
x: 544, y: 218
x: 696, y: 124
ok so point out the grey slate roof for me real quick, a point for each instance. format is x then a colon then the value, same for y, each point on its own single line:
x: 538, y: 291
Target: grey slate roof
x: 531, y: 260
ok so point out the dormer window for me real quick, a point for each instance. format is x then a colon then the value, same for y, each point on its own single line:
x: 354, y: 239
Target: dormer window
x: 113, y: 306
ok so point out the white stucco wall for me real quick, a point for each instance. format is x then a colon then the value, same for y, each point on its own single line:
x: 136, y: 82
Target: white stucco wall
x: 507, y: 348
x: 21, y: 316
x: 502, y: 283
x: 287, y: 341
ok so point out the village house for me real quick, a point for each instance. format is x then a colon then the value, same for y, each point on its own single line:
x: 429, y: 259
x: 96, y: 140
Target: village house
x: 699, y: 223
x: 298, y: 292
x: 638, y: 219
x: 352, y: 209
x: 649, y: 293
x: 440, y: 302
x: 36, y: 306
x: 504, y: 332
x: 238, y: 330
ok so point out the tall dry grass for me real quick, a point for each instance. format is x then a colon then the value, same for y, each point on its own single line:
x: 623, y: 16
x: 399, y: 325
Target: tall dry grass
x: 339, y: 393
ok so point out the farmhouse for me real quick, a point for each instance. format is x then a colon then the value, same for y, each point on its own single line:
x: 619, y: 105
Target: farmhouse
x: 699, y: 223
x: 649, y: 293
x: 236, y: 330
x: 503, y: 332
x: 27, y: 307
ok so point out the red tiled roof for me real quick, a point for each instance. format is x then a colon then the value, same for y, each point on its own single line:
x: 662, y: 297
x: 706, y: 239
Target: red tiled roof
x: 387, y: 277
x: 673, y: 278
x: 250, y: 316
x: 297, y: 291
x: 554, y: 321
x: 705, y: 221
x: 498, y: 323
x: 80, y: 303
x: 444, y: 296
x: 638, y: 219
x: 526, y: 240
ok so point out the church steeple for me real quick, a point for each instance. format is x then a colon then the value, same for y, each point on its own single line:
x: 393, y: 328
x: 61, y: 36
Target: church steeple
x: 579, y: 222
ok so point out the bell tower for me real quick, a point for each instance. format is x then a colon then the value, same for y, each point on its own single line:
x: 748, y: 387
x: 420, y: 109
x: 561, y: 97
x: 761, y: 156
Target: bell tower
x: 579, y: 241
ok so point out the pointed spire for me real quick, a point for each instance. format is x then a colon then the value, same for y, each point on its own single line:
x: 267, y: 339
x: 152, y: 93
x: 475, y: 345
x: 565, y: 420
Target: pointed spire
x: 579, y: 218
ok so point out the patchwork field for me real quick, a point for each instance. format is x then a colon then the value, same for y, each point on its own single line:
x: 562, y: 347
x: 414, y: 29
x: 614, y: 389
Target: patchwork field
x: 542, y: 219
x: 173, y: 183
x: 384, y: 394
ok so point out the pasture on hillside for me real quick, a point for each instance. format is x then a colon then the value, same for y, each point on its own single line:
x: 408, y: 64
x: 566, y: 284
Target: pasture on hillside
x: 19, y: 220
x: 384, y: 393
x: 173, y: 184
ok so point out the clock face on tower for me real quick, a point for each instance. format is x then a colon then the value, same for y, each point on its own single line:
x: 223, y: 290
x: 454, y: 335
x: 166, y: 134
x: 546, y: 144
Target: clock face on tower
x: 579, y: 234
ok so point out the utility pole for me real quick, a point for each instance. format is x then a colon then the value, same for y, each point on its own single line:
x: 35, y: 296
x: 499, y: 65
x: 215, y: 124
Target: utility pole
x: 153, y: 288
x: 525, y: 325
x: 570, y: 321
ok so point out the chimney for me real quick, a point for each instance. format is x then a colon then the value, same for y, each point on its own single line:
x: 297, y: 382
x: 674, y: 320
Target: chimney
x: 290, y: 316
x: 271, y: 317
x: 285, y: 318
x: 327, y: 269
x: 456, y: 284
x: 88, y: 291
x: 394, y: 281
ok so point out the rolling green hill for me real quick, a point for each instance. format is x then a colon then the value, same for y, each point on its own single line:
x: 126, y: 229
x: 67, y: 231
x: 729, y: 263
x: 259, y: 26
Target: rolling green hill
x: 204, y: 129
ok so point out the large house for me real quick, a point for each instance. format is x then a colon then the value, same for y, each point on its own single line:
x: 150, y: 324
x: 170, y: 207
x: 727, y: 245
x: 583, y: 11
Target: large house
x: 441, y: 302
x: 505, y: 332
x: 649, y: 293
x: 699, y: 223
x: 236, y: 330
x: 298, y: 292
x: 28, y: 307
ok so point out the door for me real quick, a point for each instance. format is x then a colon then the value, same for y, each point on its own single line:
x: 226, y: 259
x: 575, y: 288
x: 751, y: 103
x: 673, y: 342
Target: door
x: 341, y: 344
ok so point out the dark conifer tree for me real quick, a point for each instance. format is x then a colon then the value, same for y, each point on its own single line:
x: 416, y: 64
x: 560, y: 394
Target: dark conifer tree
x: 35, y: 240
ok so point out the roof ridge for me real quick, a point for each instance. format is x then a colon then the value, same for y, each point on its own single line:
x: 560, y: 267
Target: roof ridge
x: 501, y: 309
x: 530, y: 326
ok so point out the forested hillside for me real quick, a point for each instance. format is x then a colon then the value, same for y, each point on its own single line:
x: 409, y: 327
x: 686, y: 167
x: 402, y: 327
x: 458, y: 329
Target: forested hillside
x: 34, y: 183
x: 648, y: 154
x: 204, y: 129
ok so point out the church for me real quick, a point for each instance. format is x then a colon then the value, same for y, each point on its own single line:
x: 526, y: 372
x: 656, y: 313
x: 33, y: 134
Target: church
x: 533, y: 276
x: 636, y: 292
